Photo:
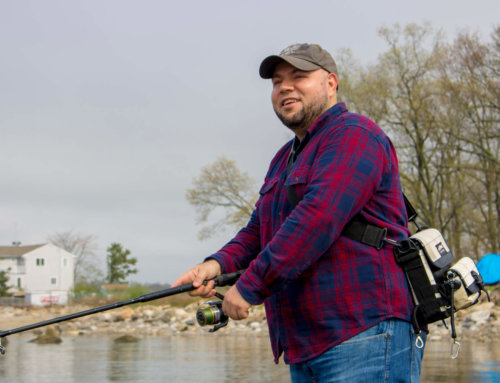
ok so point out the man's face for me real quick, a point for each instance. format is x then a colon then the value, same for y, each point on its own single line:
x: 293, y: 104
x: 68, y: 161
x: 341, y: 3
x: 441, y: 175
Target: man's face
x: 299, y: 97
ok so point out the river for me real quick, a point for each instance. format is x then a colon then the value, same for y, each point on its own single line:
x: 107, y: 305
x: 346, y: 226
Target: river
x: 208, y: 359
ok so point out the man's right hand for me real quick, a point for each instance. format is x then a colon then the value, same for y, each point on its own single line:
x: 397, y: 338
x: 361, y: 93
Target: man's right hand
x: 197, y: 275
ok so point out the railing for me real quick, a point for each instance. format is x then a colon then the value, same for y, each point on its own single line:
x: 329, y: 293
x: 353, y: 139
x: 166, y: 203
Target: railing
x: 13, y: 301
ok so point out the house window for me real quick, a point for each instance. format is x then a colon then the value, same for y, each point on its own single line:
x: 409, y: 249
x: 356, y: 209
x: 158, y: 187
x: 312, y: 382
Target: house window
x: 18, y: 283
x: 53, y: 281
x: 65, y: 262
x: 40, y: 261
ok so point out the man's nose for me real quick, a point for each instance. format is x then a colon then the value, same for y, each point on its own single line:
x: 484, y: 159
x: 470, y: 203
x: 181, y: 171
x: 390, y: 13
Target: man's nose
x: 286, y: 85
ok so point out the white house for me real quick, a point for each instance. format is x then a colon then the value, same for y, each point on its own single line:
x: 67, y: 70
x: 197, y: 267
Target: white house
x: 43, y: 273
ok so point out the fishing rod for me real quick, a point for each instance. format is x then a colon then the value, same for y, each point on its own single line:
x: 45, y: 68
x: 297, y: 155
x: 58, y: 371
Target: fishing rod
x: 210, y: 314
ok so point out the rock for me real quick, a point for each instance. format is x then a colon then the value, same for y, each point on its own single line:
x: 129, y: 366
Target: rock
x: 73, y: 332
x: 179, y: 327
x: 127, y: 339
x: 106, y: 317
x: 127, y: 313
x: 167, y: 316
x: 148, y: 313
x: 189, y: 321
x: 479, y: 317
x: 181, y: 314
x: 483, y: 306
x: 191, y: 308
x: 49, y: 337
x: 255, y: 325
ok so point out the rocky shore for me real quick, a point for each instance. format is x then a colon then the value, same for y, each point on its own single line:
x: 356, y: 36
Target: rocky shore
x: 137, y: 320
x: 480, y: 322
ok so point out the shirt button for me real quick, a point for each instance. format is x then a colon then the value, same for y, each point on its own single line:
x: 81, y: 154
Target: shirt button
x: 296, y: 179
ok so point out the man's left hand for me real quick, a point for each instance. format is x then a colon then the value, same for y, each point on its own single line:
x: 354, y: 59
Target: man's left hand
x: 234, y: 305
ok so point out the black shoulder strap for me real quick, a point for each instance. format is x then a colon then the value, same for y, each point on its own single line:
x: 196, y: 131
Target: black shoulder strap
x: 412, y: 213
x: 360, y: 230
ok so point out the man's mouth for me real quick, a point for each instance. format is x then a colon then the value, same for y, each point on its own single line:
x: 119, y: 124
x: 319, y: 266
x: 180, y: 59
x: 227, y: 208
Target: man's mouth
x: 289, y: 101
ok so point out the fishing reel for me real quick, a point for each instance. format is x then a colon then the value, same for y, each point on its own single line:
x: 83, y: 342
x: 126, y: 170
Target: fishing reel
x: 210, y: 313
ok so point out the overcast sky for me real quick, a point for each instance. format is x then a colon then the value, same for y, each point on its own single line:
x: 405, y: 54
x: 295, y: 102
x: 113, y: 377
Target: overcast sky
x: 109, y: 108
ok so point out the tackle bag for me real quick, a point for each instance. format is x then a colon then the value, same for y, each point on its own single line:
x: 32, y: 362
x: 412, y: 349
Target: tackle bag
x: 425, y: 258
x: 438, y: 288
x: 471, y: 285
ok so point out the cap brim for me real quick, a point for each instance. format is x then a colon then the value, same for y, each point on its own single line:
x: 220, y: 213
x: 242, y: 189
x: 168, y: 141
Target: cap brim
x: 266, y: 69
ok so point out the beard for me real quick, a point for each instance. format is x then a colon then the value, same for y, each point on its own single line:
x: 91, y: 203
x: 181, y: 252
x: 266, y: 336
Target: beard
x: 304, y: 118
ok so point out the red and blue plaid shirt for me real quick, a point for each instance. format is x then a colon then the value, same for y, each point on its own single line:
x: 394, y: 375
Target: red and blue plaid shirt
x: 319, y: 287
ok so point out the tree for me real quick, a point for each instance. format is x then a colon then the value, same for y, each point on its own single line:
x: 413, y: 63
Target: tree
x: 415, y: 118
x: 471, y: 78
x: 120, y: 265
x: 4, y: 279
x: 84, y: 248
x: 440, y: 102
x: 405, y: 92
x: 222, y: 185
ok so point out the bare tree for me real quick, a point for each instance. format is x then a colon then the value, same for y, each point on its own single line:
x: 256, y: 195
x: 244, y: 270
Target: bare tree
x: 471, y: 77
x: 439, y: 104
x: 84, y: 248
x: 222, y: 185
x: 401, y: 94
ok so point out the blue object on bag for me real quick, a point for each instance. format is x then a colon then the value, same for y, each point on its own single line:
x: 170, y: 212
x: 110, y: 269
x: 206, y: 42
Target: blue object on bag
x: 489, y: 268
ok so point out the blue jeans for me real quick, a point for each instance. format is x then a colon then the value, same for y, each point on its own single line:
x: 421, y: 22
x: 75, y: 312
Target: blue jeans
x: 383, y: 353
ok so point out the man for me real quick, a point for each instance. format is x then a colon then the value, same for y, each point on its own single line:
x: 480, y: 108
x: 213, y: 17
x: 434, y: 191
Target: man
x: 338, y: 308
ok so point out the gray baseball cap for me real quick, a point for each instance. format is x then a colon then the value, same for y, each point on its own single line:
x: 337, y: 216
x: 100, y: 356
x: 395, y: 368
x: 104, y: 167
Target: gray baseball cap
x: 306, y: 57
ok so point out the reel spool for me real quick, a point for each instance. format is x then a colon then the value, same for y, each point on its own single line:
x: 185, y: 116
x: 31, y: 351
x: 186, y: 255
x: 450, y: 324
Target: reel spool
x: 210, y: 313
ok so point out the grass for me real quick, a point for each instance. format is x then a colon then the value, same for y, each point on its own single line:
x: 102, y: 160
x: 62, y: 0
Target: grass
x: 99, y: 297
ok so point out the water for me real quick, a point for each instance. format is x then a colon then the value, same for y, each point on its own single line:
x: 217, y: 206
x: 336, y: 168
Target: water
x: 477, y: 363
x: 209, y: 358
x: 162, y: 359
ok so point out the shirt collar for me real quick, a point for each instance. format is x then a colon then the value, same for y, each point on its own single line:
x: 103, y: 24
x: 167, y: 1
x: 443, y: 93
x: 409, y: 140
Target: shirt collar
x: 329, y: 115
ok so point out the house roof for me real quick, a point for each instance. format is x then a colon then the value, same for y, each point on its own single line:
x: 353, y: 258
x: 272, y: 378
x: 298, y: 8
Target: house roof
x: 17, y: 251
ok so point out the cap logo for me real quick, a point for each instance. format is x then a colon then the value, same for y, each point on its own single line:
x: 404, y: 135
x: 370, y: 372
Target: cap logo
x: 291, y: 49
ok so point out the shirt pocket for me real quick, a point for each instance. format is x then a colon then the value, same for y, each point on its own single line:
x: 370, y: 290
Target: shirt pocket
x: 269, y: 184
x: 297, y: 181
x: 268, y: 205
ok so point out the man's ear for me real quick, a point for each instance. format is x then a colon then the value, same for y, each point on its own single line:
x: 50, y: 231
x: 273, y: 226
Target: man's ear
x: 333, y: 84
x: 333, y: 80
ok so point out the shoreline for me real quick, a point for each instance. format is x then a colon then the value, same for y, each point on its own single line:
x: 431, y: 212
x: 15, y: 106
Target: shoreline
x: 480, y: 322
x: 137, y: 320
